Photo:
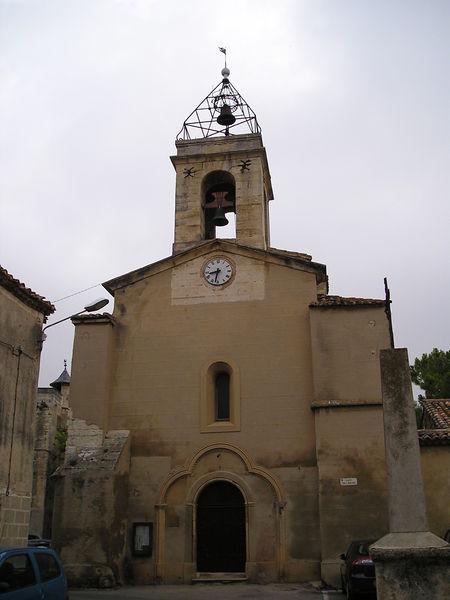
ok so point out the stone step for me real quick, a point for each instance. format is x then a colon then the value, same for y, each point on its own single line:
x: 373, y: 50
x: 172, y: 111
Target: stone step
x: 219, y: 578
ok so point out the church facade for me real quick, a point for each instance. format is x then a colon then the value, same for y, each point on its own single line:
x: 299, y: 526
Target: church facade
x: 227, y: 415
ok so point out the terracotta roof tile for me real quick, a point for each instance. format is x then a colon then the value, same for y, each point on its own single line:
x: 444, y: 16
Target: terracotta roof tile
x: 324, y: 300
x: 434, y: 437
x: 25, y: 294
x: 436, y: 413
x: 301, y: 255
x: 93, y: 317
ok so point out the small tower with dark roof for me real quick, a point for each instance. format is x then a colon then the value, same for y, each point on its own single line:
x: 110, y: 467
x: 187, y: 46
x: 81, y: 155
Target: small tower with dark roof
x: 62, y: 384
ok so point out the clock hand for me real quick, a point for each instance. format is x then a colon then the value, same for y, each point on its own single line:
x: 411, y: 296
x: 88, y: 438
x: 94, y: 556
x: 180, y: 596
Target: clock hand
x: 217, y: 272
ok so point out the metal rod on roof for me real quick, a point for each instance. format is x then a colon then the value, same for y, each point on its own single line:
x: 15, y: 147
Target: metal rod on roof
x: 387, y: 310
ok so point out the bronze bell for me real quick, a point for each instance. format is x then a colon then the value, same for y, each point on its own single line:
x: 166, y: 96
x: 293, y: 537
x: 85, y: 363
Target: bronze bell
x: 226, y: 118
x: 219, y: 219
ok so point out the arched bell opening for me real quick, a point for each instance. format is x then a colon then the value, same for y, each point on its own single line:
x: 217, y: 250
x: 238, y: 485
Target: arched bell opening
x: 220, y: 529
x: 218, y: 200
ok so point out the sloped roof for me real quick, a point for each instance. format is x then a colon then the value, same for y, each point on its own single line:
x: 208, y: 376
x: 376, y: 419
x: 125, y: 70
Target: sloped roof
x: 434, y: 437
x: 290, y: 253
x: 100, y: 317
x: 63, y: 378
x: 436, y: 422
x: 323, y: 300
x: 282, y: 257
x: 436, y: 413
x: 25, y: 294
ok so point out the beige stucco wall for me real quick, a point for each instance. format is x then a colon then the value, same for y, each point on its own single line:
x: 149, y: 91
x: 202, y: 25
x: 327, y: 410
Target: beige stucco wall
x: 350, y: 446
x: 92, y: 372
x: 20, y: 326
x: 346, y: 343
x: 435, y: 462
x: 349, y: 428
x: 162, y: 342
x: 145, y: 372
x: 167, y: 347
x: 293, y: 363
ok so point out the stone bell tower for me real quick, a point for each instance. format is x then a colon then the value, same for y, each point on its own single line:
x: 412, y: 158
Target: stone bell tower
x: 217, y: 175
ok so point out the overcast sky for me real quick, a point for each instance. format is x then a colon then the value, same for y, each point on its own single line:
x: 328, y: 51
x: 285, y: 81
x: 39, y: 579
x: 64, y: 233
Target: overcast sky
x: 353, y: 100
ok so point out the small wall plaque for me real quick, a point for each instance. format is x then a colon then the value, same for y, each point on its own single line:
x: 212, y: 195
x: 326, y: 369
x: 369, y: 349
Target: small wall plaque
x: 348, y: 481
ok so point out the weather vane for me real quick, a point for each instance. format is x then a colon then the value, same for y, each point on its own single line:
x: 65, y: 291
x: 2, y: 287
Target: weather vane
x: 224, y: 50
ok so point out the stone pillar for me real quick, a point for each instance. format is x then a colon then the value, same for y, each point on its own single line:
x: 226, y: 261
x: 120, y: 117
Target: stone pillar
x: 410, y: 562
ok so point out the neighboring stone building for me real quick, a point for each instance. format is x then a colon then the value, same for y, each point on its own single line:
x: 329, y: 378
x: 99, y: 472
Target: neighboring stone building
x: 228, y: 415
x: 434, y: 439
x: 22, y: 314
x: 52, y: 414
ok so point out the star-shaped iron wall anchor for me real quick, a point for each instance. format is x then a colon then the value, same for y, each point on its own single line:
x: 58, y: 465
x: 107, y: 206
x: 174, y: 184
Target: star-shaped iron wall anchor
x: 189, y: 172
x: 245, y: 165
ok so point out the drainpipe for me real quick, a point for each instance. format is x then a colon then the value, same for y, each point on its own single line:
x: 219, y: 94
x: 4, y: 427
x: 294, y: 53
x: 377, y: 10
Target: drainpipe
x: 19, y: 354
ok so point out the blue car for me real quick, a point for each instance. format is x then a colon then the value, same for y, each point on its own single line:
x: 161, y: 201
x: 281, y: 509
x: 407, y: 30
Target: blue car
x: 31, y: 574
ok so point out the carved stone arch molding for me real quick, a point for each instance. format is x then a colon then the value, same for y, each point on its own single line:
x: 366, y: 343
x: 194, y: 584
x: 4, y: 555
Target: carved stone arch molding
x: 260, y: 489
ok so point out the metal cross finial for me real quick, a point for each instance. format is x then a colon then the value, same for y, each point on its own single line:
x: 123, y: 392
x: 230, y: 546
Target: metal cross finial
x: 65, y: 363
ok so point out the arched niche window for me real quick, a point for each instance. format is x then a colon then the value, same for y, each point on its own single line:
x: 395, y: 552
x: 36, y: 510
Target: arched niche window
x: 219, y: 197
x: 220, y: 398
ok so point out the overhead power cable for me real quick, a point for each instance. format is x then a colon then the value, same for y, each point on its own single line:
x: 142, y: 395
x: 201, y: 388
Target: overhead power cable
x: 76, y: 293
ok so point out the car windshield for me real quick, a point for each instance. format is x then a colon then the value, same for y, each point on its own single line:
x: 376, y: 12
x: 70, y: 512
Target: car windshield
x: 363, y: 548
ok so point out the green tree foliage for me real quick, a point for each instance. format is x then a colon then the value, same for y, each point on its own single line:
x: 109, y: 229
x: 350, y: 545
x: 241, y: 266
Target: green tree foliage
x: 419, y: 415
x: 432, y: 373
x: 61, y: 439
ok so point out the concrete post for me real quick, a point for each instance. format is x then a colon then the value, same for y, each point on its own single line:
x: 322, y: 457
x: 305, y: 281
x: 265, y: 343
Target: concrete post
x: 410, y: 562
x: 407, y: 510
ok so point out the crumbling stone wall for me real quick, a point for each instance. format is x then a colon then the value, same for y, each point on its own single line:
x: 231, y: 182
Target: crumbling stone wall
x: 90, y: 510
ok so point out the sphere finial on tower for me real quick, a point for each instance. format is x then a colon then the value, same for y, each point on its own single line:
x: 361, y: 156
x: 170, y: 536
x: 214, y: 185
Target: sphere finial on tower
x: 225, y: 71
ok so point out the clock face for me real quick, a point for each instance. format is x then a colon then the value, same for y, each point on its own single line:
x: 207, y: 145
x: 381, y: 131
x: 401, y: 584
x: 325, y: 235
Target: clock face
x: 218, y: 271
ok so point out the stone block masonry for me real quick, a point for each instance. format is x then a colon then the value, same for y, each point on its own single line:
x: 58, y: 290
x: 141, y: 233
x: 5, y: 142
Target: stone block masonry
x: 14, y: 519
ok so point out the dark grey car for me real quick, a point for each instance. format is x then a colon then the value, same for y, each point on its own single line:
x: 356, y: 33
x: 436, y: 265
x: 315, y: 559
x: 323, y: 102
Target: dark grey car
x: 358, y: 571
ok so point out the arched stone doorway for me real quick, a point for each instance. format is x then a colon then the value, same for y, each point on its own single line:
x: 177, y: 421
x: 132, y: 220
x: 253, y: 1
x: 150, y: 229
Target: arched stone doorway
x: 263, y: 500
x: 220, y: 529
